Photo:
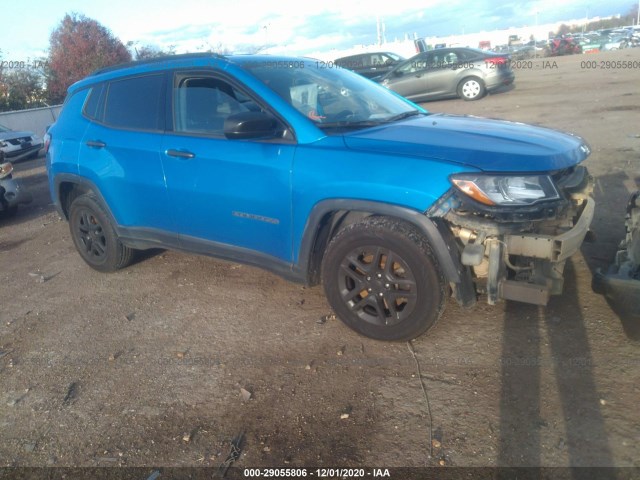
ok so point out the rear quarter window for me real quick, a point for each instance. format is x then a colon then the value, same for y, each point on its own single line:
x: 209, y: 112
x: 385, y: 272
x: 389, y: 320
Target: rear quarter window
x: 136, y: 103
x: 92, y: 103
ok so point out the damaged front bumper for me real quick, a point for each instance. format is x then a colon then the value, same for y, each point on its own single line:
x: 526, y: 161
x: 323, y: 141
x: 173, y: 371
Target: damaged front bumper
x: 519, y: 253
x: 548, y: 254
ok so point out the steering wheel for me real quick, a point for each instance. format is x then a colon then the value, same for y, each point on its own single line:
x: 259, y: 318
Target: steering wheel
x: 342, y: 115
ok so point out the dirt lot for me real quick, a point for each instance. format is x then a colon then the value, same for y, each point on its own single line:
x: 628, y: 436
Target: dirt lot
x: 145, y: 366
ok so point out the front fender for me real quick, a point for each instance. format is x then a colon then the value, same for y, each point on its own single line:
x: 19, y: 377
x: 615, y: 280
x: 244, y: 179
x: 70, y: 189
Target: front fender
x: 440, y: 239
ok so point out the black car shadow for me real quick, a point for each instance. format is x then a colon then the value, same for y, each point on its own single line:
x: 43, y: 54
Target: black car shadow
x: 522, y: 427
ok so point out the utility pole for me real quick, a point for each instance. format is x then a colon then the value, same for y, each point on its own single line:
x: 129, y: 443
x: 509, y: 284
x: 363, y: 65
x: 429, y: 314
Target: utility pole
x: 381, y: 30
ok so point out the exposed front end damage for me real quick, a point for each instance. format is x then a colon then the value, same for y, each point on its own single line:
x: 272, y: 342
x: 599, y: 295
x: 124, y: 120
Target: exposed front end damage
x: 519, y: 252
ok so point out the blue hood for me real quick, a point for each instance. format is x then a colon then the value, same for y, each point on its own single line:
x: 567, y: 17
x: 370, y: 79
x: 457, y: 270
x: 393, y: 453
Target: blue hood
x: 484, y: 144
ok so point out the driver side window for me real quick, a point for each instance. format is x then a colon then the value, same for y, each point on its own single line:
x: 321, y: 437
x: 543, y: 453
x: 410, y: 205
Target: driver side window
x: 202, y: 104
x: 423, y: 62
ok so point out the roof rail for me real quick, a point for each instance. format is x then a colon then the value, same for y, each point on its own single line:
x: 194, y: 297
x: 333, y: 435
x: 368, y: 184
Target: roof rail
x: 151, y: 61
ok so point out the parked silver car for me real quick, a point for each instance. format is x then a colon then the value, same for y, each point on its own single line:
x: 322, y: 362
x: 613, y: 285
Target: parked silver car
x: 19, y: 145
x: 449, y: 72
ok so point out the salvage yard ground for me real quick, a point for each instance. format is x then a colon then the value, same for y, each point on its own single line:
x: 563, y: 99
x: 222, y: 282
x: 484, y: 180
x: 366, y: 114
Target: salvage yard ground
x: 165, y: 362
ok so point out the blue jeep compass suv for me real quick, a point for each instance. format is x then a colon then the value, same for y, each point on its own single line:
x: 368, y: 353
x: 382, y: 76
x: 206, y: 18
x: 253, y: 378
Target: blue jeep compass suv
x: 321, y: 176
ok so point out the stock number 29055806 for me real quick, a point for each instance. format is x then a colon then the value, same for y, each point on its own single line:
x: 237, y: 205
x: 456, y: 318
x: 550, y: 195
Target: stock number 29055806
x: 609, y: 64
x: 303, y: 472
x: 275, y: 472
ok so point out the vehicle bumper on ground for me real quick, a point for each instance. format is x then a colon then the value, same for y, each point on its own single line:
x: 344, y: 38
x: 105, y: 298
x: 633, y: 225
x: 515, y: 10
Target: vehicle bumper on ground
x: 12, y: 193
x: 621, y: 283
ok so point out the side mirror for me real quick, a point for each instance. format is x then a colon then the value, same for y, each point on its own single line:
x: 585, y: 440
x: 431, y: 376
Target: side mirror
x: 250, y: 125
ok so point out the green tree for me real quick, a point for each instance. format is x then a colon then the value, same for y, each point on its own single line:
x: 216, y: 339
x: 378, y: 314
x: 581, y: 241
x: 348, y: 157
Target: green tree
x: 78, y: 46
x: 21, y: 89
x: 21, y: 85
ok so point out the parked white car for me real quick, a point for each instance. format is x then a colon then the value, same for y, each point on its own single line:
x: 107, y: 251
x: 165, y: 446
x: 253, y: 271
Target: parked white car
x: 615, y: 43
x: 19, y: 145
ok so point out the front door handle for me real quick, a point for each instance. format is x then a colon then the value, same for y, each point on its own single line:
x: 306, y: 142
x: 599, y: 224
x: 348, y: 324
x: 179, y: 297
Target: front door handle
x: 96, y: 144
x: 180, y: 153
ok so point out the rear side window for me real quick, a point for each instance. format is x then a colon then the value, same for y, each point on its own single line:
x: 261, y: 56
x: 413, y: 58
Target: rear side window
x: 93, y: 101
x: 136, y: 103
x: 463, y: 55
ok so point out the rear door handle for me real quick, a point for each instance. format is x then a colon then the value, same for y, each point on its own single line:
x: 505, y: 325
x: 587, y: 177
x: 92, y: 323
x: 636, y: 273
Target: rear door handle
x: 180, y: 153
x: 96, y: 144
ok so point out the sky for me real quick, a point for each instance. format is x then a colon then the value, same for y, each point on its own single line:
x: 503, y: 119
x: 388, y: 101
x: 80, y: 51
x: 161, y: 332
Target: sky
x: 285, y: 26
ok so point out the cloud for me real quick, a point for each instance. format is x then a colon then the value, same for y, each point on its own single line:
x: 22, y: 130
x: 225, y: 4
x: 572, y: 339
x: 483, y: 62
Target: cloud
x: 295, y: 28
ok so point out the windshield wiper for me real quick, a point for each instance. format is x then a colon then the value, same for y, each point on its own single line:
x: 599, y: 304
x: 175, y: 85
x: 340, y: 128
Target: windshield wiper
x: 403, y: 115
x: 348, y: 124
x: 370, y: 123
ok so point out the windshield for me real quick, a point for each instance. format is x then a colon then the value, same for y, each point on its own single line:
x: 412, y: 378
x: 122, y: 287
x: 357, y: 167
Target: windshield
x: 332, y: 97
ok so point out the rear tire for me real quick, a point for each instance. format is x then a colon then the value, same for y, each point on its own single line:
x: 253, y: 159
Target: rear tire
x: 471, y: 88
x: 382, y: 280
x: 94, y: 236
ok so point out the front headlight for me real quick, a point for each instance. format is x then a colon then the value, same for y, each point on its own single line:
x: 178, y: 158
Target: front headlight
x: 502, y: 190
x: 5, y: 169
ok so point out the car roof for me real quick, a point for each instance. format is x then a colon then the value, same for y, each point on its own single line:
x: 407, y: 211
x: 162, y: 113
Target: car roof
x: 445, y: 50
x: 156, y: 60
x: 203, y: 59
x: 366, y: 53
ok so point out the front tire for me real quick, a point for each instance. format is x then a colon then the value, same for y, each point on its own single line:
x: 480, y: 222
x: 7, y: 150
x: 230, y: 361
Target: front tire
x: 382, y: 280
x: 471, y: 88
x: 94, y: 236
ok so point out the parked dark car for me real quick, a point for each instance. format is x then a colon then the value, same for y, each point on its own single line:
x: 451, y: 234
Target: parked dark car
x: 449, y: 72
x: 17, y: 145
x: 370, y: 65
x: 321, y: 176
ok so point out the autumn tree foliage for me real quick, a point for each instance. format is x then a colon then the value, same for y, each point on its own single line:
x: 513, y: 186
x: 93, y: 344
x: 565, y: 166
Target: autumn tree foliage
x: 78, y: 46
